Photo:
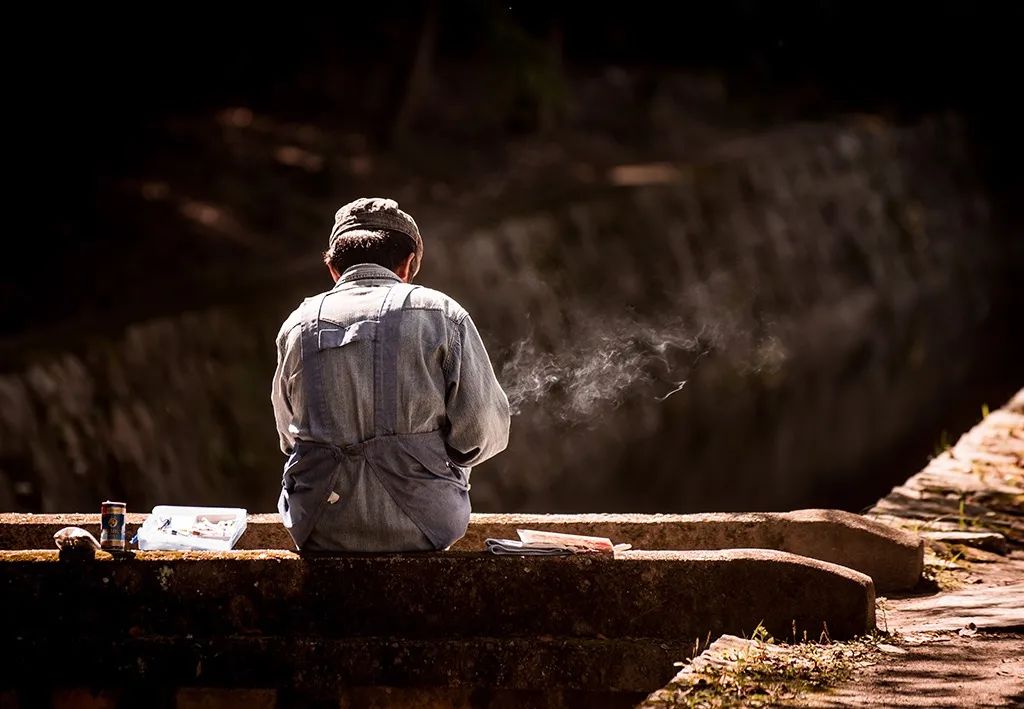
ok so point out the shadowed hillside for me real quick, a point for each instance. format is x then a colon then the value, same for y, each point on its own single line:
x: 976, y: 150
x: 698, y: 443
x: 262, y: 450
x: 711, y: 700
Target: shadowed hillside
x: 705, y: 283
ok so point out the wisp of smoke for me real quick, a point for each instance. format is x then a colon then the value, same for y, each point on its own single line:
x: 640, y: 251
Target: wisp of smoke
x: 596, y: 369
x: 611, y: 357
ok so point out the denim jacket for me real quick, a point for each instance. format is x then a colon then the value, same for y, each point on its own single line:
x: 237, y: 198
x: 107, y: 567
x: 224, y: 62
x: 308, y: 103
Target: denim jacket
x: 384, y: 398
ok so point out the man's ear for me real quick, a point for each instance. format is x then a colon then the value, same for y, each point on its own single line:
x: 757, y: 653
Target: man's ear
x: 404, y: 270
x: 334, y: 274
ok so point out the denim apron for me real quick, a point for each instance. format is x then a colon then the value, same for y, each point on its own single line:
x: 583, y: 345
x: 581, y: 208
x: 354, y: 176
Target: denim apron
x: 413, y: 468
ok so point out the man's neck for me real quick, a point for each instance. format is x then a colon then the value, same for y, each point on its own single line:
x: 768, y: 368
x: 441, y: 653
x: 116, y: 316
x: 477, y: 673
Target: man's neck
x: 367, y: 272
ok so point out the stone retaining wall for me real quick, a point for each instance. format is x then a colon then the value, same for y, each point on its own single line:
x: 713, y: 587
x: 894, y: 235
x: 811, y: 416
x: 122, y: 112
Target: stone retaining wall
x: 831, y: 268
x: 321, y: 624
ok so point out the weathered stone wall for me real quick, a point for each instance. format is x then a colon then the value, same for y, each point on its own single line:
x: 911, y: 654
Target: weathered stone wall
x: 325, y: 624
x: 819, y: 275
x: 174, y: 409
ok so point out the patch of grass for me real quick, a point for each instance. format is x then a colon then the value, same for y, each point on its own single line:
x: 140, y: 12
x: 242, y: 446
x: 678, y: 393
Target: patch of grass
x: 765, y: 673
x: 943, y: 445
x: 962, y: 519
x: 944, y: 567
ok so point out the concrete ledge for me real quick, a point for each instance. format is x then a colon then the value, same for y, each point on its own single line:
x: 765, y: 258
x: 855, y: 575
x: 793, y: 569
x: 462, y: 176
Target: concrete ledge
x: 670, y: 595
x: 892, y: 557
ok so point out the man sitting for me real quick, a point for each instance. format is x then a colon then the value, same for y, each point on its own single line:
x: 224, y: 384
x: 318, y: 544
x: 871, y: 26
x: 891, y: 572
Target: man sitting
x: 384, y: 397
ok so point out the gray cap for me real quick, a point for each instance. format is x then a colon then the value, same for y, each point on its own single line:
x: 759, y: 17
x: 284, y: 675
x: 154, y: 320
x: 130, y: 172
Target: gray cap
x: 372, y: 214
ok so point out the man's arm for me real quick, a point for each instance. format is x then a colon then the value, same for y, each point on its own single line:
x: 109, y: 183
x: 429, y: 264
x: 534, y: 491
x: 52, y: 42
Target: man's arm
x: 478, y: 412
x: 279, y: 397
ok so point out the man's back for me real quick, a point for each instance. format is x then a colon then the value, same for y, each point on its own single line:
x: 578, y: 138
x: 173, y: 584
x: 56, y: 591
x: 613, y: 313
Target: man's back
x: 384, y: 397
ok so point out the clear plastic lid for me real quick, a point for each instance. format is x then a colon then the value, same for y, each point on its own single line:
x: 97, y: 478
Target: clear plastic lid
x: 171, y: 527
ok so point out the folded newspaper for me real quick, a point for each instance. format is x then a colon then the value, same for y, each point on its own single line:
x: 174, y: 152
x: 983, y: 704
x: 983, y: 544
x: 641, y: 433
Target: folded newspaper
x: 536, y: 543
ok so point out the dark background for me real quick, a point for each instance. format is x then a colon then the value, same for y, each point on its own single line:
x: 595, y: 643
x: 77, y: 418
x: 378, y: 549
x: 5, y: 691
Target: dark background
x: 178, y: 171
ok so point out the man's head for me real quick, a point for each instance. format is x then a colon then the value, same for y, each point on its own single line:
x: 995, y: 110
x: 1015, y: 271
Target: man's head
x: 374, y: 230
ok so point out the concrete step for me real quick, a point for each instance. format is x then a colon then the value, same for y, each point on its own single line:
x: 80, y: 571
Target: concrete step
x: 892, y: 557
x: 676, y: 596
x: 324, y: 666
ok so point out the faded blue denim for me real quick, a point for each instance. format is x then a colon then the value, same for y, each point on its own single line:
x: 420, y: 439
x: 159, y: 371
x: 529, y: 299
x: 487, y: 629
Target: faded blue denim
x: 384, y: 398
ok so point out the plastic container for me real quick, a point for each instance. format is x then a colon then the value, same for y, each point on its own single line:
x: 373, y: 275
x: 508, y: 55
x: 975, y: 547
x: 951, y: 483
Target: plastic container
x: 173, y: 528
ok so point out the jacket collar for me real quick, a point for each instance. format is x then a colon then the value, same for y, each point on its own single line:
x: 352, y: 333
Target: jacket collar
x: 366, y: 272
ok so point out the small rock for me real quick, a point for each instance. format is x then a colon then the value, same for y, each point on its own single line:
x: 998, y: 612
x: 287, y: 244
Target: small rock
x: 75, y: 538
x: 968, y: 630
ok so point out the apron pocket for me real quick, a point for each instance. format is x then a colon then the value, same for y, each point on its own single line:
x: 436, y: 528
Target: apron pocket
x: 309, y: 476
x: 428, y: 450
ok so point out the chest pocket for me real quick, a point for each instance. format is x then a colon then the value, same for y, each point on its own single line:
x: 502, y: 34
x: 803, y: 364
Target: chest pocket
x: 337, y: 336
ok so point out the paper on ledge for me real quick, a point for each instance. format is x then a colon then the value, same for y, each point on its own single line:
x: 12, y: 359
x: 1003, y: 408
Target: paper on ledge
x: 538, y: 543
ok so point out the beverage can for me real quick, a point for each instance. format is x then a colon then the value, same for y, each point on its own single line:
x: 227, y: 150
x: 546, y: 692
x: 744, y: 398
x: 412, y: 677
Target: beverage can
x: 112, y: 525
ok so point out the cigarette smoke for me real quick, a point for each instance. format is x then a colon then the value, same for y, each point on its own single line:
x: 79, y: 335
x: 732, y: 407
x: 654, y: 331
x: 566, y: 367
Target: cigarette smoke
x: 616, y: 358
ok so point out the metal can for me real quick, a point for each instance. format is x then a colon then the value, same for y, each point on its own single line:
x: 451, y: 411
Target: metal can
x: 112, y: 525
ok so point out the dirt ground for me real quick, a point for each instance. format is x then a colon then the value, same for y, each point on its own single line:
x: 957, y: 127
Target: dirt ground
x: 963, y: 642
x: 958, y: 648
x: 944, y: 670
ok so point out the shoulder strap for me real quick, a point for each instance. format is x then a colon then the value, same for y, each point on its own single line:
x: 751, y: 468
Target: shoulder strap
x: 385, y: 366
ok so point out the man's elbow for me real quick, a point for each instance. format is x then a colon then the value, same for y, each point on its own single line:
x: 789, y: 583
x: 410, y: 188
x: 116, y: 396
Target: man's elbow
x: 498, y: 438
x: 504, y: 425
x: 489, y: 436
